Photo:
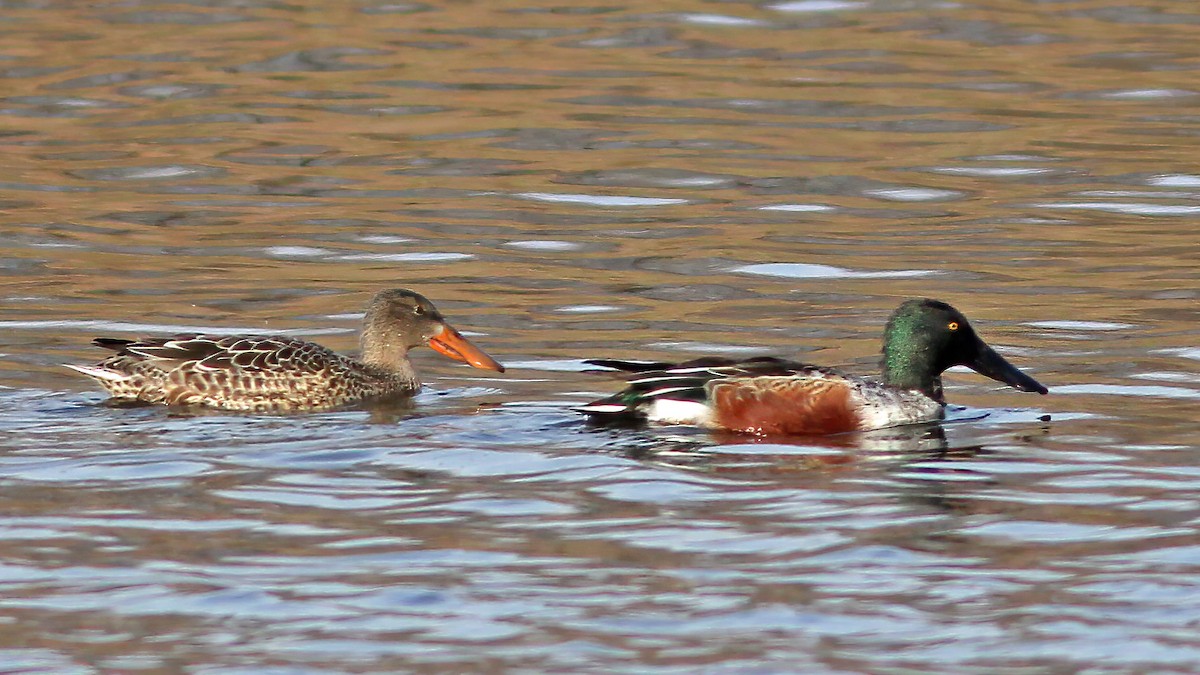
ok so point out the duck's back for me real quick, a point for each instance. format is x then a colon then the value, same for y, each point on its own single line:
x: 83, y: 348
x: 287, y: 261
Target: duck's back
x: 766, y: 396
x: 248, y: 372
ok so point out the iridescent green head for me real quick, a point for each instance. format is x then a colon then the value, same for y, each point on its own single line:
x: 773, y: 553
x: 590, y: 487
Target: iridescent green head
x: 925, y: 337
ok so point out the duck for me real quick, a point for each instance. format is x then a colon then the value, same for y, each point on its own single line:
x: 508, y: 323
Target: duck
x: 769, y: 396
x: 277, y: 373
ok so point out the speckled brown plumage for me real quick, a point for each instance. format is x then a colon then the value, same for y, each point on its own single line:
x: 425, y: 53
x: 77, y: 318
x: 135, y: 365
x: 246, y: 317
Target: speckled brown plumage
x: 278, y: 373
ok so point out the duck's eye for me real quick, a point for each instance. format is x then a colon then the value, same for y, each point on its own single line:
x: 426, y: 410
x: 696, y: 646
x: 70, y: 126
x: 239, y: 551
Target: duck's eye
x: 418, y: 310
x: 953, y: 325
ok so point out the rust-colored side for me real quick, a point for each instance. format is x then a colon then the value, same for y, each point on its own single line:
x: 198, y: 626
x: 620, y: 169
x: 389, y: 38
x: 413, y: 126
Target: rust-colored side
x: 784, y: 406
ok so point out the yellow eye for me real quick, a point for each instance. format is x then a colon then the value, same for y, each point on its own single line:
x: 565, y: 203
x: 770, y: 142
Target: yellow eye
x: 953, y: 325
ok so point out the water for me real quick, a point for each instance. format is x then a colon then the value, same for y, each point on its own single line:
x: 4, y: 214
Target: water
x: 570, y: 181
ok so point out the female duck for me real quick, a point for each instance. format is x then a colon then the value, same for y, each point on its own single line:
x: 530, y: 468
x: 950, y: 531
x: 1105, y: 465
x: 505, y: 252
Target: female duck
x: 770, y: 396
x: 277, y: 373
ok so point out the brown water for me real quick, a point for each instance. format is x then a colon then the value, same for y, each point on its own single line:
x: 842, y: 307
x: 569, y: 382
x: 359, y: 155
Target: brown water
x: 567, y: 181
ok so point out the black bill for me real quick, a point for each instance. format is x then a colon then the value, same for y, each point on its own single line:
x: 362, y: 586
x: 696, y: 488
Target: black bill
x: 988, y: 362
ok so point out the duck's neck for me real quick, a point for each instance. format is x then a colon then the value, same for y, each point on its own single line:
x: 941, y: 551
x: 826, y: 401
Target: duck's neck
x: 388, y: 357
x: 909, y: 366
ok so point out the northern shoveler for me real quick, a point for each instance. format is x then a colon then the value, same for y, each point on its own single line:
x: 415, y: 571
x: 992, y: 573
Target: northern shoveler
x: 278, y: 373
x: 770, y: 396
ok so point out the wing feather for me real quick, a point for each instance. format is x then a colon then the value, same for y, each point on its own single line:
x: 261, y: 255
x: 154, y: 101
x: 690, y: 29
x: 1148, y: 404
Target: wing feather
x: 651, y: 383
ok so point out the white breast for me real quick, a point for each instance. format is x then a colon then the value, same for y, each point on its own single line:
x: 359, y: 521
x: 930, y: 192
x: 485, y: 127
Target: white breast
x: 886, y: 407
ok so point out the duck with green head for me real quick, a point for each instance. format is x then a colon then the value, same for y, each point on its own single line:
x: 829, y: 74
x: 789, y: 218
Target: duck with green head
x: 771, y: 396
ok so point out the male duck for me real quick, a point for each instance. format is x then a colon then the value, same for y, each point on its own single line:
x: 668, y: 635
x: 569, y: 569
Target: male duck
x: 276, y: 373
x: 770, y: 396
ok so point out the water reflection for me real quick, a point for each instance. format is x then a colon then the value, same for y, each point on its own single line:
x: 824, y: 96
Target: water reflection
x: 896, y: 446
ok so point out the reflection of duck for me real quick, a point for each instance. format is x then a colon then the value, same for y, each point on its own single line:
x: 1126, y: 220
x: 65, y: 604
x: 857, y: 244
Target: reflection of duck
x: 276, y: 373
x: 729, y: 453
x: 770, y: 396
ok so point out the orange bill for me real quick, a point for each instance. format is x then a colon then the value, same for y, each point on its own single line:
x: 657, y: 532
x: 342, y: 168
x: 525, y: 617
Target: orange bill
x: 451, y: 343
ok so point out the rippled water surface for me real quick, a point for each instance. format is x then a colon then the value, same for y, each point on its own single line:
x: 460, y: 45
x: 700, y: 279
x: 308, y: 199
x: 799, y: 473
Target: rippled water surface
x: 567, y: 180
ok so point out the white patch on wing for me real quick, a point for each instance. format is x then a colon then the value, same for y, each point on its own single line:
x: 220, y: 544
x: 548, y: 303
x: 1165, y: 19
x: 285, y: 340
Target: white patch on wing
x: 669, y: 411
x: 680, y: 374
x: 653, y: 378
x: 666, y: 390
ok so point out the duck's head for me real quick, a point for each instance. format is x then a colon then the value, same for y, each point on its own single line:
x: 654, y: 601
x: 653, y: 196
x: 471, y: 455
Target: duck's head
x: 925, y: 337
x: 399, y: 319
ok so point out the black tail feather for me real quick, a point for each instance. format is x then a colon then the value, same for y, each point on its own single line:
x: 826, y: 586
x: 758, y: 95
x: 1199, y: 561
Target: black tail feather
x: 648, y: 366
x: 629, y: 366
x: 115, y: 344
